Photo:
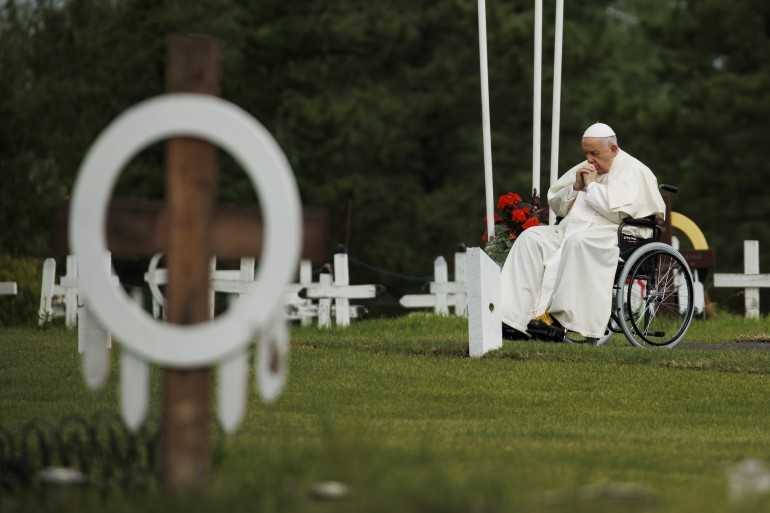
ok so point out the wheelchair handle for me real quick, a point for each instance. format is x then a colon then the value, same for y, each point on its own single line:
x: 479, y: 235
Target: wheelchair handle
x: 673, y: 189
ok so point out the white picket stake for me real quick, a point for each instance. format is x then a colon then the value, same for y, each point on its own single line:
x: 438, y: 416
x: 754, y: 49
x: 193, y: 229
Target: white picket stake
x: 232, y: 391
x: 48, y: 289
x: 750, y: 280
x: 134, y: 388
x: 460, y: 297
x: 94, y: 341
x: 324, y: 302
x: 439, y: 286
x: 69, y: 282
x: 154, y: 278
x: 8, y: 288
x: 699, y: 295
x: 341, y: 279
x: 751, y: 266
x: 305, y: 279
x: 485, y: 327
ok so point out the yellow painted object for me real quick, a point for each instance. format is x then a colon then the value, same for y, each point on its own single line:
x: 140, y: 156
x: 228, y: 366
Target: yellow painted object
x: 687, y: 226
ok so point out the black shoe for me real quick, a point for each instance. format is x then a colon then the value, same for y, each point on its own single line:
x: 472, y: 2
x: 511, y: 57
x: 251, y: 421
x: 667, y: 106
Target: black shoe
x: 510, y: 333
x: 542, y: 331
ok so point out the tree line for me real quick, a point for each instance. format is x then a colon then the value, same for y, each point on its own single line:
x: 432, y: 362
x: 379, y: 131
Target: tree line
x: 377, y: 107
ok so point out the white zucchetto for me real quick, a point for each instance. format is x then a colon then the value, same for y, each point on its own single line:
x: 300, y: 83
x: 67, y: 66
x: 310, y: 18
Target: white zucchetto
x: 599, y: 130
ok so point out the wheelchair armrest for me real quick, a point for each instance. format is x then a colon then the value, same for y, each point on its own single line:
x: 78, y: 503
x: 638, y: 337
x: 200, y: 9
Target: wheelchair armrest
x: 644, y: 222
x: 647, y: 222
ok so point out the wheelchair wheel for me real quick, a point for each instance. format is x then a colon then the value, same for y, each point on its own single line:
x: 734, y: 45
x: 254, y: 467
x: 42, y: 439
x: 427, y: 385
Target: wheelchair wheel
x: 655, y: 297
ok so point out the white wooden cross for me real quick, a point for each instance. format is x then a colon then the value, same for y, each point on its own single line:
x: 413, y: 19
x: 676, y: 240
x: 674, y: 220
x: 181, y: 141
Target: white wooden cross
x: 8, y: 288
x: 339, y: 290
x: 443, y: 292
x: 225, y: 281
x: 53, y: 295
x: 750, y: 280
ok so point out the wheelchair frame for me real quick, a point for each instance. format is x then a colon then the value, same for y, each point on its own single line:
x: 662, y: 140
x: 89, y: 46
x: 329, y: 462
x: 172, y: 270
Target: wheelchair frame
x: 641, y: 293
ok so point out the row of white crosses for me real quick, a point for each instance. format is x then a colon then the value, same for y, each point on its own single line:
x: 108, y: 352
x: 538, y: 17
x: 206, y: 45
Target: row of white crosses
x: 443, y: 293
x: 299, y: 297
x: 751, y: 280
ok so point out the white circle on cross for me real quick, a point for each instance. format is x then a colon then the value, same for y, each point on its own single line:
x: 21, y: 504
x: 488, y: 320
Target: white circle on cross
x: 252, y: 146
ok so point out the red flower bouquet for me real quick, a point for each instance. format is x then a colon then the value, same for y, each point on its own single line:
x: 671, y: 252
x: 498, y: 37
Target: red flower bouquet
x: 513, y: 215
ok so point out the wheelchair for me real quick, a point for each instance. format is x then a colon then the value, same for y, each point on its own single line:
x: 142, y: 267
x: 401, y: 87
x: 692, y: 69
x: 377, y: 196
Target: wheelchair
x: 653, y: 302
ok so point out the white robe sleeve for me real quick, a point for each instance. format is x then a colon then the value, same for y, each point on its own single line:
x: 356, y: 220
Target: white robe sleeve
x: 597, y: 196
x: 562, y: 201
x: 561, y: 195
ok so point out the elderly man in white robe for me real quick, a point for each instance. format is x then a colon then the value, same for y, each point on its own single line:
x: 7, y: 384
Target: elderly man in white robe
x: 565, y: 272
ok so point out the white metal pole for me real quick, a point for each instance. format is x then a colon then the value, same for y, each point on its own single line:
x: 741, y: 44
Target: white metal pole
x: 536, y: 101
x: 556, y: 119
x: 485, y: 118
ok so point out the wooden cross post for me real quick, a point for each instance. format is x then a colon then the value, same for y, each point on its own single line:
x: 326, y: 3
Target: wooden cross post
x: 190, y: 230
x: 193, y: 66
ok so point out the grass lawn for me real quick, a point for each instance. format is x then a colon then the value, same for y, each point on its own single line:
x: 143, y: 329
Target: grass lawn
x: 397, y: 411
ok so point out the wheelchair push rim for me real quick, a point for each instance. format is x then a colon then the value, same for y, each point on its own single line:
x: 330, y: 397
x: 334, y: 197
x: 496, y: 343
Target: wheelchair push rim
x: 654, y: 297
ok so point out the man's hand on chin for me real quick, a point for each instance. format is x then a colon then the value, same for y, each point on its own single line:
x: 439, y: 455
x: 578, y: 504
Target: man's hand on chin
x: 579, y: 185
x: 585, y: 175
x: 589, y: 178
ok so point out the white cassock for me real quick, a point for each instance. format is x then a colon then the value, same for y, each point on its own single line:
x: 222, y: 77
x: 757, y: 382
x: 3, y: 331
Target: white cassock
x: 568, y: 269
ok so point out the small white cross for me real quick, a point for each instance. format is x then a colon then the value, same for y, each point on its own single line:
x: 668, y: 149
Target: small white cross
x: 443, y: 292
x: 339, y: 290
x: 750, y: 280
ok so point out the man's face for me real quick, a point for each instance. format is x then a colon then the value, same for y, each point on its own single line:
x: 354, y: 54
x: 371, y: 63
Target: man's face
x: 599, y: 153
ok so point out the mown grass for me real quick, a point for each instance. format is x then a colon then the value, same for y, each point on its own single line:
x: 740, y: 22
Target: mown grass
x: 395, y: 409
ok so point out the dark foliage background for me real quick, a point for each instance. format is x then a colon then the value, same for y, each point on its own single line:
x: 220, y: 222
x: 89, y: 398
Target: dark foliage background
x: 377, y: 106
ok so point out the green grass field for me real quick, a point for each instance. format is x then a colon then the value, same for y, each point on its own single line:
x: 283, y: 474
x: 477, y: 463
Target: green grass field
x: 396, y: 410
